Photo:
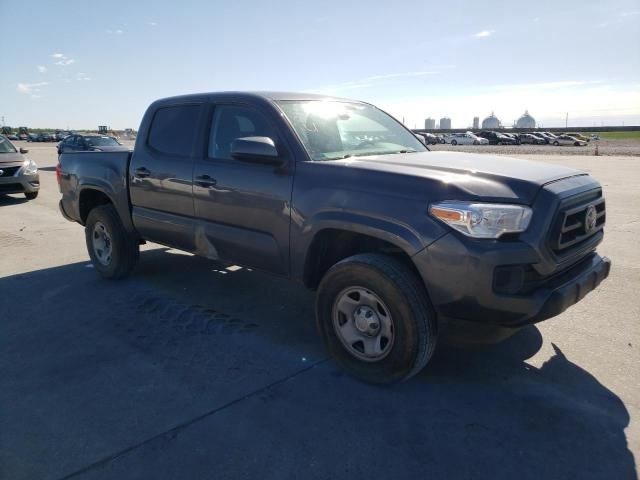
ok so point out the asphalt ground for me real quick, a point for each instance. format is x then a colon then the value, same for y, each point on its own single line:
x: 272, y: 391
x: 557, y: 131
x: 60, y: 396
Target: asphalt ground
x: 189, y: 370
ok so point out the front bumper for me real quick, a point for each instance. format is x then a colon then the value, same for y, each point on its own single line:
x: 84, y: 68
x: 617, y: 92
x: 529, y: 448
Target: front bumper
x: 20, y: 184
x: 460, y: 277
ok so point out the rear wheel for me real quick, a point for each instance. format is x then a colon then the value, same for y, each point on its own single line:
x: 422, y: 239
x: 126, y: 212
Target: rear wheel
x: 113, y: 251
x: 556, y: 143
x: 31, y: 195
x: 454, y: 142
x: 375, y: 318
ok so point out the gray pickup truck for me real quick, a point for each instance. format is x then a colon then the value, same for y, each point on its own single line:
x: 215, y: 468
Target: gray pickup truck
x: 398, y: 241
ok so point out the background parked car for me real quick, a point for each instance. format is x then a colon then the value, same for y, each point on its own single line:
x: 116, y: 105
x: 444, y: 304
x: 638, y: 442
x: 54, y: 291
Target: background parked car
x: 89, y: 143
x: 547, y: 138
x: 528, y: 138
x: 568, y: 140
x: 465, y: 139
x: 12, y: 137
x: 18, y: 174
x: 496, y: 138
x: 430, y: 138
x: 579, y: 136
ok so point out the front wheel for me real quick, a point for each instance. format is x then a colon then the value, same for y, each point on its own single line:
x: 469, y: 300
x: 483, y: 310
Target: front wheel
x: 555, y: 144
x: 31, y: 195
x: 374, y: 316
x: 113, y: 251
x: 453, y: 142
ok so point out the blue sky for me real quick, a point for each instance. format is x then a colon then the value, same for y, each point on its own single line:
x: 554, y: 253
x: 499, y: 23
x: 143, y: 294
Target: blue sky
x: 80, y: 64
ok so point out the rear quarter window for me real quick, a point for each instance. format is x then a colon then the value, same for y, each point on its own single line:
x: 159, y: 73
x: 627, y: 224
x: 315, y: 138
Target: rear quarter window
x: 173, y: 130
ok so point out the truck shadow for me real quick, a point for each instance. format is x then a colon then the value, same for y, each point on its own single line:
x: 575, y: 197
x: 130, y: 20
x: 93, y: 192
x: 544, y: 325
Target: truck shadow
x: 184, y: 335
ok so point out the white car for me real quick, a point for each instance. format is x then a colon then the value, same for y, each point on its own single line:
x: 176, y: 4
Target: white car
x: 567, y: 140
x: 465, y: 139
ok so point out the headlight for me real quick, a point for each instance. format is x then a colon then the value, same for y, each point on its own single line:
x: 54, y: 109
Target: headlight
x: 29, y: 167
x: 482, y: 220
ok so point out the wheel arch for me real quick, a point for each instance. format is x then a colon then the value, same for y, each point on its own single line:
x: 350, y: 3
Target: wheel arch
x: 334, y: 243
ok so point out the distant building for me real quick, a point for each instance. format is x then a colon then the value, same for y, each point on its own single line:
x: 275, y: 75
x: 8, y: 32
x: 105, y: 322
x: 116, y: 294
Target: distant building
x: 430, y: 123
x: 491, y: 122
x: 526, y: 121
x: 476, y: 123
x: 445, y: 123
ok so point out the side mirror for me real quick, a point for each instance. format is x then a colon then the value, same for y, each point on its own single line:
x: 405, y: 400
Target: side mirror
x: 260, y: 150
x: 23, y: 150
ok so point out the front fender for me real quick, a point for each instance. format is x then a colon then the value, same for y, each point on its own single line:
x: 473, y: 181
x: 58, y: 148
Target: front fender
x: 388, y: 229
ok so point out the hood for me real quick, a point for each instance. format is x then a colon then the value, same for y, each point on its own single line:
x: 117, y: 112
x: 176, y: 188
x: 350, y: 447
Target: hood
x: 11, y: 158
x: 479, y: 176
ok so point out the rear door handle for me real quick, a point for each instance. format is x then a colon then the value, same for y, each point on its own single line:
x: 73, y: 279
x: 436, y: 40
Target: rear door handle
x: 141, y: 172
x: 205, y: 181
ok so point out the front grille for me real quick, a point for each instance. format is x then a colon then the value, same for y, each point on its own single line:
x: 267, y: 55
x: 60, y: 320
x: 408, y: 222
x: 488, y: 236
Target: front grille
x: 577, y: 221
x: 8, y: 171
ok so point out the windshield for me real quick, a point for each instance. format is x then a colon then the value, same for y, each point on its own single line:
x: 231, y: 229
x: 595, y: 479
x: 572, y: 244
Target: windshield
x: 331, y: 130
x: 6, y: 146
x: 101, y: 141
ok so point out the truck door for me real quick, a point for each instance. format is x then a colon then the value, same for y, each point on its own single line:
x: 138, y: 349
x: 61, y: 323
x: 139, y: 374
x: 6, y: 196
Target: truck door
x: 243, y: 208
x: 160, y: 176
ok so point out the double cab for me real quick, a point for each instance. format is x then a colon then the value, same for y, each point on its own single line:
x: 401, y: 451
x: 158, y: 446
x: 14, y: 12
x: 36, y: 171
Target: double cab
x: 399, y: 242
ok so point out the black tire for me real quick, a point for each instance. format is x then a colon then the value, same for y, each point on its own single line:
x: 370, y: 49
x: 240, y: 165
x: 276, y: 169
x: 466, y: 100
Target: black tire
x: 556, y: 144
x: 402, y: 292
x: 454, y: 142
x: 476, y: 142
x: 31, y: 195
x: 124, y: 248
x: 577, y: 144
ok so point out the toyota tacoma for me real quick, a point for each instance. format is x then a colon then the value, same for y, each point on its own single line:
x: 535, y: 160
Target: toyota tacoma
x: 398, y: 241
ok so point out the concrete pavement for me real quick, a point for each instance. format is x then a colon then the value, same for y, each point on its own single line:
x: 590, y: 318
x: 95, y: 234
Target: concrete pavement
x: 190, y: 370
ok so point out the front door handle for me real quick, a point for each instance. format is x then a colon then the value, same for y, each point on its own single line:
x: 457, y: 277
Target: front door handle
x: 141, y: 172
x: 205, y: 181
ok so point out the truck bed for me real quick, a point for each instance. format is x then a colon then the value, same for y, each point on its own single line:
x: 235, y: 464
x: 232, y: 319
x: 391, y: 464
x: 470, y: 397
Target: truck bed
x: 94, y: 173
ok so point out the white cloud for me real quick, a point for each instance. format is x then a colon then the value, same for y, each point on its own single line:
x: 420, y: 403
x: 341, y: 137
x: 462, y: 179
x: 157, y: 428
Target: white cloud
x: 153, y: 24
x: 42, y: 68
x: 31, y: 89
x: 117, y: 31
x: 62, y: 59
x: 484, y: 33
x: 82, y: 77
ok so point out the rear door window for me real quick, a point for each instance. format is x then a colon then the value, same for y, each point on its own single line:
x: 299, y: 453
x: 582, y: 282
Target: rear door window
x: 173, y: 130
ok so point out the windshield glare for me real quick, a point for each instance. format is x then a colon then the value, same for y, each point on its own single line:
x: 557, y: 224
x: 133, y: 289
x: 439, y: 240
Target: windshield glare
x: 101, y: 141
x: 6, y: 146
x: 331, y: 130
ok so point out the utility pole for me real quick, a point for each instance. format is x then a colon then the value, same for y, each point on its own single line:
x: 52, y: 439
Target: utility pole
x: 566, y: 120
